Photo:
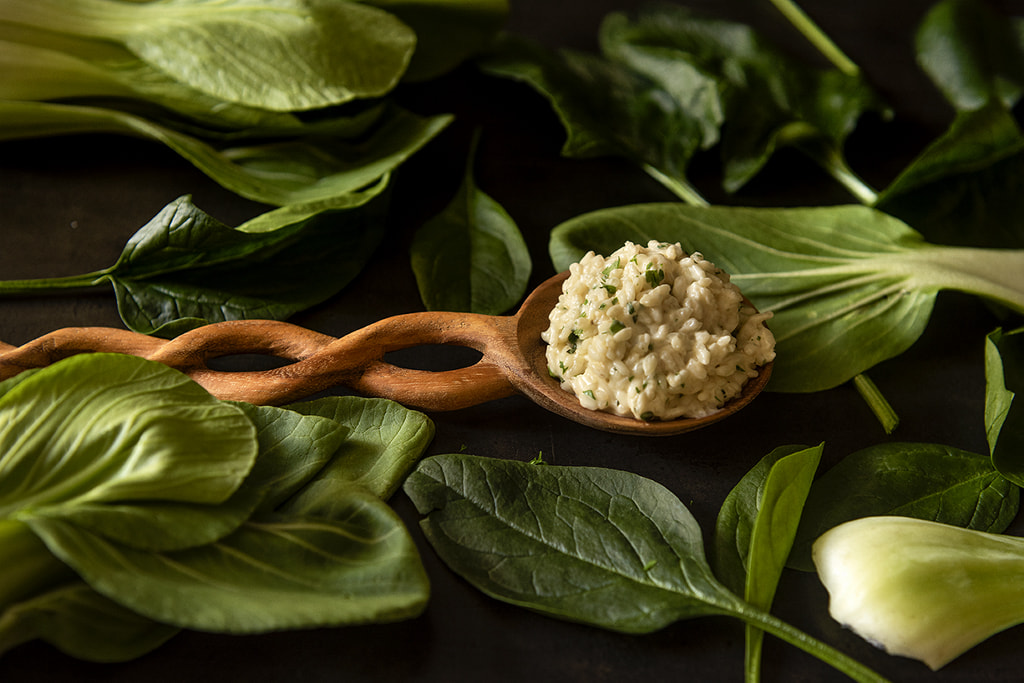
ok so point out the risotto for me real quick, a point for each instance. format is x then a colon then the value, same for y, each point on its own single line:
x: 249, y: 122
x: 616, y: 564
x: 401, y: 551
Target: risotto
x: 654, y: 333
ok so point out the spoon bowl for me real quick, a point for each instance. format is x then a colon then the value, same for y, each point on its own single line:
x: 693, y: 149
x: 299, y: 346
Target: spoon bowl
x: 546, y: 391
x: 512, y: 361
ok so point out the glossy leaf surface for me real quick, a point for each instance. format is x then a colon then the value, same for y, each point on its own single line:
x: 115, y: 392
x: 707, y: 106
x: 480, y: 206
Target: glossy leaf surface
x: 925, y: 481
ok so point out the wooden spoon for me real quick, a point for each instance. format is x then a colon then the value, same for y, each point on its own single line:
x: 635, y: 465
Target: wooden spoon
x: 512, y: 360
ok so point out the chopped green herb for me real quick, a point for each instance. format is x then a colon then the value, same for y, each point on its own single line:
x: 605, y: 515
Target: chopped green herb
x: 654, y: 276
x: 616, y: 326
x: 647, y: 416
x: 574, y: 338
x: 590, y: 393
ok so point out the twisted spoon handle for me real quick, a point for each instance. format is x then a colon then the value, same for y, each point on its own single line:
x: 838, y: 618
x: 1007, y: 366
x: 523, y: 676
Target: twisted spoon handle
x: 317, y: 362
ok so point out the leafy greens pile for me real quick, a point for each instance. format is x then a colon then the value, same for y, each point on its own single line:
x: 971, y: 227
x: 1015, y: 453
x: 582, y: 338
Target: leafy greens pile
x: 133, y: 504
x: 289, y: 104
x: 850, y: 286
x: 618, y: 551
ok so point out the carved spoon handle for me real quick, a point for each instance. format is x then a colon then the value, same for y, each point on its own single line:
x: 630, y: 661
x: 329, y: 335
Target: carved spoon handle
x: 316, y: 361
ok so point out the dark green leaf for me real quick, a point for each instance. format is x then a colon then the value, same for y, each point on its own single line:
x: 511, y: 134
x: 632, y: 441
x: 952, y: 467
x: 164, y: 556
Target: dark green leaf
x: 755, y: 530
x: 609, y: 109
x: 273, y: 573
x: 293, y: 449
x: 767, y: 98
x: 447, y: 31
x: 604, y: 547
x: 312, y: 170
x: 471, y: 257
x: 972, y: 53
x: 966, y: 188
x: 184, y: 268
x: 925, y: 481
x: 1004, y: 414
x: 587, y: 544
x: 738, y: 516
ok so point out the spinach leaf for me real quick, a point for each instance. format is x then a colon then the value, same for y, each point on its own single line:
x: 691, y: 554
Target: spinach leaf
x: 93, y: 437
x: 849, y: 286
x: 734, y: 538
x: 471, y: 257
x: 310, y: 170
x: 448, y: 32
x: 769, y: 99
x: 972, y: 53
x: 603, y: 547
x: 965, y: 187
x: 384, y: 440
x: 83, y: 624
x: 1004, y: 424
x: 667, y: 82
x: 926, y: 481
x: 608, y: 109
x: 184, y: 268
x: 755, y: 529
x: 286, y: 55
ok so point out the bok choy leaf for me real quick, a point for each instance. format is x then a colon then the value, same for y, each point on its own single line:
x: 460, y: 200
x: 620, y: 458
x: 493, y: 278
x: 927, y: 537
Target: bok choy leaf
x: 108, y: 559
x: 849, y: 286
x: 283, y: 56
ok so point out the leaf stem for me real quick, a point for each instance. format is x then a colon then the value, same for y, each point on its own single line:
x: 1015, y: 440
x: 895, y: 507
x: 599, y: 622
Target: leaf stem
x: 830, y: 159
x: 816, y: 36
x: 48, y: 284
x: 878, y: 404
x: 688, y: 193
x: 991, y: 273
x: 826, y: 653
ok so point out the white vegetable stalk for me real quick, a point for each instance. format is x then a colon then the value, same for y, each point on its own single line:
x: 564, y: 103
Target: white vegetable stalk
x: 921, y: 589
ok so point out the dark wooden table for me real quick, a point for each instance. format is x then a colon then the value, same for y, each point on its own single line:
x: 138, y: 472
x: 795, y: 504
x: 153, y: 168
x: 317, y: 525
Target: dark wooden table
x: 68, y: 205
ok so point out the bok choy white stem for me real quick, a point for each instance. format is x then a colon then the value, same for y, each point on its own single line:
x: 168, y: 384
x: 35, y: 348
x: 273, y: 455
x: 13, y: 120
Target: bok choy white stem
x: 921, y: 589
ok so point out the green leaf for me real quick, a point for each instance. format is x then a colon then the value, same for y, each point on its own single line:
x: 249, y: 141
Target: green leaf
x: 755, y: 530
x: 126, y: 447
x: 184, y: 268
x: 734, y: 537
x: 471, y: 257
x: 603, y: 547
x: 384, y: 441
x: 849, y: 286
x: 293, y: 449
x: 925, y: 481
x: 448, y: 32
x: 1004, y: 422
x: 45, y: 66
x: 972, y: 53
x: 282, y: 55
x: 313, y: 169
x: 273, y: 573
x: 83, y: 624
x: 586, y: 544
x: 767, y: 98
x: 609, y: 109
x: 965, y: 188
